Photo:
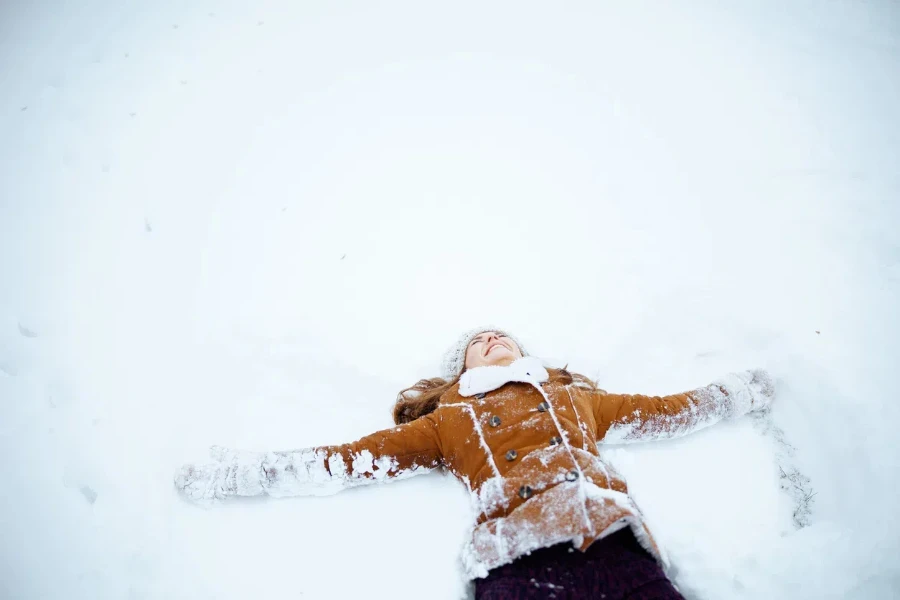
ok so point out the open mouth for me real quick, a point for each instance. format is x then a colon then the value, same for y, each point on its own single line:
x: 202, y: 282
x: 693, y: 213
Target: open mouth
x: 492, y: 348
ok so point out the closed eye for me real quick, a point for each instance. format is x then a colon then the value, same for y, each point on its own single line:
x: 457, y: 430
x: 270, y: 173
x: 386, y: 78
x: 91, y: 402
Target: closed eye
x: 479, y: 338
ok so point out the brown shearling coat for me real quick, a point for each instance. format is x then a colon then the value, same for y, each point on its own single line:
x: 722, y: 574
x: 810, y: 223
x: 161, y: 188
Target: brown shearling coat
x: 530, y: 454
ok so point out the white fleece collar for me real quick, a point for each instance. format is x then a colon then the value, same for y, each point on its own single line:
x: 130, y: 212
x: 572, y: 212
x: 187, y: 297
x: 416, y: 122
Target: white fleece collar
x: 481, y: 380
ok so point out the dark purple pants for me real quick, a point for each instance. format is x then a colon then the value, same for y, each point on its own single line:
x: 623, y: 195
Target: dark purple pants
x: 614, y: 568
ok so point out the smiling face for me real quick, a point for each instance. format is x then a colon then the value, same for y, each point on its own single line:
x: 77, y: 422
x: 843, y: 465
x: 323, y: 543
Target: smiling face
x: 491, y: 348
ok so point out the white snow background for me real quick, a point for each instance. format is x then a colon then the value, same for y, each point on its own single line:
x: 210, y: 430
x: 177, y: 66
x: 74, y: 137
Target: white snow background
x: 252, y: 223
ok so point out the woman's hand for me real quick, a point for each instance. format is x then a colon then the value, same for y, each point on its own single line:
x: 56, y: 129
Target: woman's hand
x: 232, y: 473
x: 762, y: 386
x: 748, y: 390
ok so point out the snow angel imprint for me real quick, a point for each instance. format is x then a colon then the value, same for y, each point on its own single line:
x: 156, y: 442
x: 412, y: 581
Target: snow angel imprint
x: 553, y: 520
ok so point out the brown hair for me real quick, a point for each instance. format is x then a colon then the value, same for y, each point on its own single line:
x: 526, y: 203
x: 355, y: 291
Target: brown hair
x: 423, y: 397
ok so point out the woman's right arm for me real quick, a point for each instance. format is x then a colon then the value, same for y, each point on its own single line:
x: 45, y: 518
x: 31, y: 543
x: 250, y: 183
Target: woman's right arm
x: 390, y: 454
x: 624, y: 418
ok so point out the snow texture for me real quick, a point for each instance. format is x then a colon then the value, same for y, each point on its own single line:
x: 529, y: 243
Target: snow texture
x: 253, y: 224
x: 792, y: 480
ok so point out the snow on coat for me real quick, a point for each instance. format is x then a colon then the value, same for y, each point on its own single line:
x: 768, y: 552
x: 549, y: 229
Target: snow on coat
x: 525, y: 442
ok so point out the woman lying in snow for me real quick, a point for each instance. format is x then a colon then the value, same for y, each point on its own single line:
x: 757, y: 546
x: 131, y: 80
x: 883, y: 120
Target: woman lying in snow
x: 553, y: 519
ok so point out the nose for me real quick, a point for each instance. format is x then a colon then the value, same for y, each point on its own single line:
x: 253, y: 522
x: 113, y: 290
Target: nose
x: 490, y: 337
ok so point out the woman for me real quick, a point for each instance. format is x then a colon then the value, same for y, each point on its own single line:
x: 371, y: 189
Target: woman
x: 553, y: 519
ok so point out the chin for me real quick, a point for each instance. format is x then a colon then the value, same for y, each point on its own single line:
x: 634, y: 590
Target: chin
x: 499, y: 357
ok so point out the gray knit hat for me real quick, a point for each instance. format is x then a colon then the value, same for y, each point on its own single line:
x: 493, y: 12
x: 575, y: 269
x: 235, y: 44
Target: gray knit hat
x: 455, y: 357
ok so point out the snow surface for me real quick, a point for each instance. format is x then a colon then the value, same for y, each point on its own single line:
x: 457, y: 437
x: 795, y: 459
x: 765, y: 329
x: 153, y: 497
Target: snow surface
x: 251, y: 224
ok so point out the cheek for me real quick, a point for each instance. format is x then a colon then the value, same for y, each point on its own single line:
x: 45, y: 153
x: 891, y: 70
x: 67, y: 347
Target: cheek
x: 470, y: 354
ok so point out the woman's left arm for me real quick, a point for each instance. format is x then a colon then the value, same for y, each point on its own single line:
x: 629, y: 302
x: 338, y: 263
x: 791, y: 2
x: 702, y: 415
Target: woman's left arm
x: 386, y: 455
x: 625, y: 418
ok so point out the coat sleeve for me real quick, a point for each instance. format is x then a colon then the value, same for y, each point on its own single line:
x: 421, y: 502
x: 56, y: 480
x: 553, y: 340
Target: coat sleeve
x: 386, y: 455
x: 390, y: 454
x: 625, y: 418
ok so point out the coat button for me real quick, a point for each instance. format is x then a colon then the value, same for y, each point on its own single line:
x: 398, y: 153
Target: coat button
x: 479, y: 396
x: 511, y: 455
x: 543, y: 406
x: 495, y: 421
x: 571, y: 475
x: 525, y: 492
x: 555, y: 440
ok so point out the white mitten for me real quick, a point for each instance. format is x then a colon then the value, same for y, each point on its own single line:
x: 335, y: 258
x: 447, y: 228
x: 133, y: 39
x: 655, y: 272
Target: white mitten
x: 748, y: 390
x: 233, y: 473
